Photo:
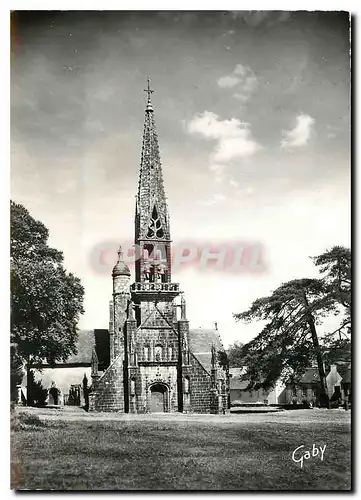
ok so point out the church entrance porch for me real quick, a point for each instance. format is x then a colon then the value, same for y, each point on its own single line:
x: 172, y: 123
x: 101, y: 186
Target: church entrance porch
x: 158, y: 398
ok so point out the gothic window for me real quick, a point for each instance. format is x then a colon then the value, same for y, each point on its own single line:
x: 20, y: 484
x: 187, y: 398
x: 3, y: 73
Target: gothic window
x: 155, y: 226
x: 146, y: 353
x: 158, y: 353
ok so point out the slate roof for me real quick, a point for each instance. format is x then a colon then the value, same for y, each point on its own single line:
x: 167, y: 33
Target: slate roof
x: 200, y: 343
x: 85, y: 344
x: 235, y: 380
x: 87, y: 339
x: 311, y: 375
x: 237, y: 383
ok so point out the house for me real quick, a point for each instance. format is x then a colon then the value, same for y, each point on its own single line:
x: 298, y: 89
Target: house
x: 240, y: 393
x: 306, y: 390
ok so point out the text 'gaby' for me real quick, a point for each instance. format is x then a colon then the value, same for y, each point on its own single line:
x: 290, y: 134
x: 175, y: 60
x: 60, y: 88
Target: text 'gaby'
x: 300, y: 454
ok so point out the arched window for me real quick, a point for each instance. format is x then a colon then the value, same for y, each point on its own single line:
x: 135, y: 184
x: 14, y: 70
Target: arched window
x: 155, y: 226
x: 158, y: 352
x: 146, y: 353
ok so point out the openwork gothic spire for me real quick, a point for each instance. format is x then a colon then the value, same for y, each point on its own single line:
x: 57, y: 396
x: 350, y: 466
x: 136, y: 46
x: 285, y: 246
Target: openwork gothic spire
x: 151, y: 208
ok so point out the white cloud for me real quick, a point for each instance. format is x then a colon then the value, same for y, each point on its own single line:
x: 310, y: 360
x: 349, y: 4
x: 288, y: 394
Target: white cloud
x: 300, y: 134
x: 234, y: 183
x: 228, y: 81
x: 234, y: 138
x: 243, y: 79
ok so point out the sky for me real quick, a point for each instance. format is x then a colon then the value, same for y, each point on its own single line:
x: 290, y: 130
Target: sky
x: 253, y: 116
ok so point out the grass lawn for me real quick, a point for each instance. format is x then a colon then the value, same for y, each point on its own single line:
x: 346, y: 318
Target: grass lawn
x: 234, y: 452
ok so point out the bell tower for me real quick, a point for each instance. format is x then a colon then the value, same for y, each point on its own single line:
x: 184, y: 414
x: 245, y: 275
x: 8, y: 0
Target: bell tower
x: 153, y: 279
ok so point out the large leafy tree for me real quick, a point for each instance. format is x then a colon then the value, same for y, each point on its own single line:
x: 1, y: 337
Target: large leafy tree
x: 46, y: 300
x: 234, y: 353
x: 289, y: 341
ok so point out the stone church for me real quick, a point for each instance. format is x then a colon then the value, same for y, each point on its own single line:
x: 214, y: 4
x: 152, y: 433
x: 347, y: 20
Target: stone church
x: 153, y: 367
x: 149, y: 360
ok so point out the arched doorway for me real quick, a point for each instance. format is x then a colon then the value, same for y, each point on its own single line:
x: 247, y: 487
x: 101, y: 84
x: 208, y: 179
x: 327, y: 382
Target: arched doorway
x: 158, y: 398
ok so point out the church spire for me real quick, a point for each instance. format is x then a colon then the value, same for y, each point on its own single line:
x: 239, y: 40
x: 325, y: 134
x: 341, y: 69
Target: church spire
x: 151, y: 210
x: 152, y: 232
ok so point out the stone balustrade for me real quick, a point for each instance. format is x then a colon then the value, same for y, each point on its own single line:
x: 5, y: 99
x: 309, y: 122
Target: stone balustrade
x: 155, y: 287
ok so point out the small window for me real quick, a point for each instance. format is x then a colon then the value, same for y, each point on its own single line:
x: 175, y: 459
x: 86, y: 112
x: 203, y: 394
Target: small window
x: 170, y: 352
x: 146, y: 353
x: 158, y: 353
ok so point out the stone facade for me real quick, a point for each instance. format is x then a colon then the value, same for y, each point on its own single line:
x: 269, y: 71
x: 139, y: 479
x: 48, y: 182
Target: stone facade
x: 152, y: 367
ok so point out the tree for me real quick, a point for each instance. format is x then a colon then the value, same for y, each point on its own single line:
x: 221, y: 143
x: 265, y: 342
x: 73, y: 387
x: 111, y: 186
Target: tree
x: 16, y: 372
x: 37, y: 395
x: 234, y: 353
x: 335, y: 269
x: 289, y: 341
x: 46, y: 301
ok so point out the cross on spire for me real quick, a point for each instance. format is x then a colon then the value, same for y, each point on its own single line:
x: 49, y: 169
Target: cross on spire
x: 148, y: 90
x: 120, y: 253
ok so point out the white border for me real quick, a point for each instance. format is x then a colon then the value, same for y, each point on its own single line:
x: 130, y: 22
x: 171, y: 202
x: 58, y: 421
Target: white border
x: 5, y: 7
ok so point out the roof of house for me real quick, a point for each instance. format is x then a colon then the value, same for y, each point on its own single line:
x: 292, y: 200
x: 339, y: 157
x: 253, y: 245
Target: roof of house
x: 311, y: 375
x: 235, y: 381
x: 87, y: 340
x: 200, y: 343
x: 84, y: 347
